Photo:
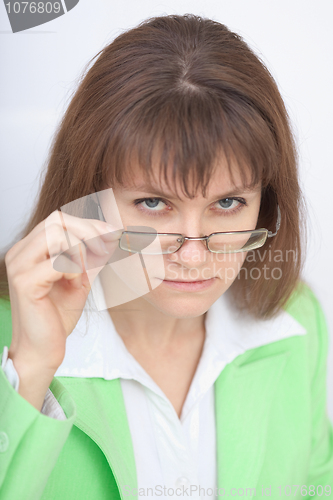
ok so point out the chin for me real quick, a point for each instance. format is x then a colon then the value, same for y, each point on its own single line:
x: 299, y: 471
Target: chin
x: 184, y: 304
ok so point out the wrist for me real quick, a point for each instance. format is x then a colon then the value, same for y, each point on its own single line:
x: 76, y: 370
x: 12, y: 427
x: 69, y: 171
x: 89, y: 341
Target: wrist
x: 34, y: 380
x: 30, y: 365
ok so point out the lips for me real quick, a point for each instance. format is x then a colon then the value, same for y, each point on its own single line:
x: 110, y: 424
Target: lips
x: 192, y: 281
x: 189, y: 286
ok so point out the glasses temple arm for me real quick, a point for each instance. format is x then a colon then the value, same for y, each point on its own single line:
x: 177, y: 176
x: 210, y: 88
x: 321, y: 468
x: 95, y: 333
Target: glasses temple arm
x: 278, y: 223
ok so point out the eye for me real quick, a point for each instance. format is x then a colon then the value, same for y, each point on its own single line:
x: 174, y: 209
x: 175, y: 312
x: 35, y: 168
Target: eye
x: 150, y: 204
x: 156, y: 206
x: 231, y: 205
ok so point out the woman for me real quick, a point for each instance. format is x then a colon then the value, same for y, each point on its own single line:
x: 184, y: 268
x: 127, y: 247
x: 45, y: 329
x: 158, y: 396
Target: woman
x: 209, y: 388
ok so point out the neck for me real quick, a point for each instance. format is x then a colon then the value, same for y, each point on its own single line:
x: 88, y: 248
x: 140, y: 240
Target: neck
x: 138, y: 323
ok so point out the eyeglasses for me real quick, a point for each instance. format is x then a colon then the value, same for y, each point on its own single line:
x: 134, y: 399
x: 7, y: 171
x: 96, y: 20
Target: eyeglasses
x: 149, y: 243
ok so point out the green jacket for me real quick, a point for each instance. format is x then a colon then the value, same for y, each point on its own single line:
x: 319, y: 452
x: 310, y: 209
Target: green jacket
x: 272, y: 427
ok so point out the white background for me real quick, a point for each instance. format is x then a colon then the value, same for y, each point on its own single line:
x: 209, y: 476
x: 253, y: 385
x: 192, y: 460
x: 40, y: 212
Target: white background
x: 40, y: 68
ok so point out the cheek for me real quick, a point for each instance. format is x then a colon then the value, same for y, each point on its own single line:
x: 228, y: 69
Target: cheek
x: 227, y: 266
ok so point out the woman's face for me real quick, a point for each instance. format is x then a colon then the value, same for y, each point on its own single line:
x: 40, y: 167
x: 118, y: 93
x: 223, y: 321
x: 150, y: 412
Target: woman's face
x: 223, y: 209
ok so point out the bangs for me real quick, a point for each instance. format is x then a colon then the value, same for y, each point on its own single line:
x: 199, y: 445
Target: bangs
x: 184, y: 136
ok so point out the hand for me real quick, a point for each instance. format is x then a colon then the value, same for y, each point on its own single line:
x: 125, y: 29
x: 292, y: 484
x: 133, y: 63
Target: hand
x: 46, y: 303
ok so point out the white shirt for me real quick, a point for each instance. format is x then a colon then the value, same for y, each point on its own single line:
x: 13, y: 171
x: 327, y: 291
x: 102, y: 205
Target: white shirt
x: 168, y: 451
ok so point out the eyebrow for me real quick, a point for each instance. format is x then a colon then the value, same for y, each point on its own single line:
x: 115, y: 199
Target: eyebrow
x: 237, y: 192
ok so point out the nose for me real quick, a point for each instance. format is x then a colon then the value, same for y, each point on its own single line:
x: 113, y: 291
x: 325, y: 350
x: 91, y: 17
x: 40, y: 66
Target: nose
x: 192, y: 253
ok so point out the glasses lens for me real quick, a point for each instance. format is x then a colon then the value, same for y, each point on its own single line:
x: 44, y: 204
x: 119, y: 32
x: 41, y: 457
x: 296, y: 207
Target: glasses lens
x: 149, y: 243
x: 237, y: 242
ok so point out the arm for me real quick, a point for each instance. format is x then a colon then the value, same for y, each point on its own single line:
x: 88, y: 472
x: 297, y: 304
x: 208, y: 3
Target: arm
x: 50, y: 407
x: 321, y: 463
x: 30, y: 442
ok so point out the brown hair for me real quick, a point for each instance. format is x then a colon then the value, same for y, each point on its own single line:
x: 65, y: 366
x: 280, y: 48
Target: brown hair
x: 189, y: 89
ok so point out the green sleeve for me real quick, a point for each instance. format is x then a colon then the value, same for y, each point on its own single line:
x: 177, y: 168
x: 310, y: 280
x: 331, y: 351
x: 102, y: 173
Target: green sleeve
x: 320, y: 470
x: 30, y: 442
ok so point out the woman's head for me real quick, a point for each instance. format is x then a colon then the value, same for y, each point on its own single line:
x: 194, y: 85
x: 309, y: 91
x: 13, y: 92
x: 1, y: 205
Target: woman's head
x: 226, y: 207
x: 182, y: 103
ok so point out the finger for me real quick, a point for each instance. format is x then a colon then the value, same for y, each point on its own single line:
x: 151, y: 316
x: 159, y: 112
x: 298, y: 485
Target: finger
x: 24, y: 242
x: 38, y: 281
x: 74, y: 279
x: 90, y: 232
x: 82, y: 256
x: 39, y: 249
x: 86, y: 228
x: 89, y: 228
x: 112, y: 236
x: 68, y: 264
x: 75, y: 228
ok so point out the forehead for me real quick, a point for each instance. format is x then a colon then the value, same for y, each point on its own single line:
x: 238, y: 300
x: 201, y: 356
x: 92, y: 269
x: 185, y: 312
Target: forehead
x: 220, y: 182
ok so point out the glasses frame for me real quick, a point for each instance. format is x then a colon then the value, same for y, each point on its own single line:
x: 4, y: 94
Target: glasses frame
x: 269, y: 234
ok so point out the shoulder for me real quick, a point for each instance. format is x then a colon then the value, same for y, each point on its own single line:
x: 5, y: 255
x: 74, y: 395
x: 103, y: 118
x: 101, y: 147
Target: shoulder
x: 304, y: 307
x: 5, y: 323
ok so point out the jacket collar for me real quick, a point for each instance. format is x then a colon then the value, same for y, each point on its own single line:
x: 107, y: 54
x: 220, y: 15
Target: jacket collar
x: 240, y: 387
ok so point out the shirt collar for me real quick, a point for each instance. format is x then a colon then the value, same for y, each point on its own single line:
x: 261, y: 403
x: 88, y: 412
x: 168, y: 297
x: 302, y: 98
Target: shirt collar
x: 95, y: 349
x: 233, y: 331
